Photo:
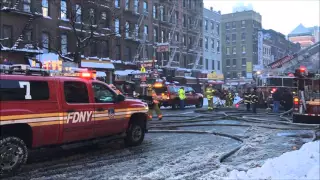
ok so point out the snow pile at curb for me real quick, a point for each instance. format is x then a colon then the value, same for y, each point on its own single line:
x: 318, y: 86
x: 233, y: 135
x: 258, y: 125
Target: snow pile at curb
x: 300, y: 164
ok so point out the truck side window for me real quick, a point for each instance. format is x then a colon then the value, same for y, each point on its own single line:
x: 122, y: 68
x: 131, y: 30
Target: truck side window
x: 76, y: 92
x: 102, y: 94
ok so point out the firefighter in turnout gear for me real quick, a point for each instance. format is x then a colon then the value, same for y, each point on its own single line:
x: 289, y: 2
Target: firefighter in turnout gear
x: 247, y: 99
x: 254, y: 100
x: 229, y: 100
x: 209, y: 94
x: 155, y: 103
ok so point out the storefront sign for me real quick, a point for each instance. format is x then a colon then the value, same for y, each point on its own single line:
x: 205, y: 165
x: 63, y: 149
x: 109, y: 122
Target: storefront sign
x: 215, y: 76
x: 249, y: 67
x: 163, y: 48
x: 138, y: 76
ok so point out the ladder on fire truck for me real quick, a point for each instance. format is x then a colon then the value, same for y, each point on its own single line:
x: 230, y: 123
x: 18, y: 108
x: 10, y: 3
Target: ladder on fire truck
x: 142, y: 43
x: 196, y: 45
x: 290, y: 62
x: 172, y: 33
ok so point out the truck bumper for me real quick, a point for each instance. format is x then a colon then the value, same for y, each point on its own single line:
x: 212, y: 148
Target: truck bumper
x: 306, y: 119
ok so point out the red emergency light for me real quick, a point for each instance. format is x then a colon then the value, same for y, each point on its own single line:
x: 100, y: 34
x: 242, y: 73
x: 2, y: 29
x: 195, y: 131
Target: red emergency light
x: 302, y: 69
x: 296, y: 101
x: 237, y: 105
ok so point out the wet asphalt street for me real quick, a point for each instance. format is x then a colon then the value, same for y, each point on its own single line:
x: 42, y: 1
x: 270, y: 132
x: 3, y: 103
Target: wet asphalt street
x: 186, y: 150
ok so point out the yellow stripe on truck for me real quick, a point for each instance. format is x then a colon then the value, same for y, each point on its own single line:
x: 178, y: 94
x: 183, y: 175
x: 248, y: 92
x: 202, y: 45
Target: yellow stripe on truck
x: 28, y: 116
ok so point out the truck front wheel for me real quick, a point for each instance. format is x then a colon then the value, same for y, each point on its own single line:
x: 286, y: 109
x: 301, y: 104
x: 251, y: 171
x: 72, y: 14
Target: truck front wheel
x: 135, y: 133
x: 13, y: 154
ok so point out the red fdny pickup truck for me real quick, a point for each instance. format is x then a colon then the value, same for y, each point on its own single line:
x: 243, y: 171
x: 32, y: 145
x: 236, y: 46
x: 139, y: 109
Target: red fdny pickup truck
x: 38, y: 110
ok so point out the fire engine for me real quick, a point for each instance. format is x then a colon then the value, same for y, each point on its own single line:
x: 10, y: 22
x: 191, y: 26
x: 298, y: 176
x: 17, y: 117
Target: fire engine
x: 306, y: 103
x: 41, y: 108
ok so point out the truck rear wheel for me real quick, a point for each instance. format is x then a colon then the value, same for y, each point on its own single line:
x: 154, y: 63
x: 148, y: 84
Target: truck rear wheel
x: 13, y: 154
x: 135, y: 134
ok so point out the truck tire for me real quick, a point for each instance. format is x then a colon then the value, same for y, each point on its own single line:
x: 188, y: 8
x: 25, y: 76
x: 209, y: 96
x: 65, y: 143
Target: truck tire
x: 135, y: 134
x: 200, y: 105
x: 13, y: 154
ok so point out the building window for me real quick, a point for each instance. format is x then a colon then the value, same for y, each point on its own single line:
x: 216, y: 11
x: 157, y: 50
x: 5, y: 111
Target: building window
x: 93, y: 48
x: 234, y: 75
x: 218, y: 46
x: 184, y: 40
x: 104, y: 49
x: 64, y: 44
x: 212, y: 44
x: 78, y: 17
x: 218, y: 29
x: 45, y: 8
x: 207, y: 64
x: 92, y: 16
x: 155, y: 34
x: 206, y: 24
x: 184, y: 3
x: 176, y: 17
x: 243, y: 36
x: 45, y: 42
x: 243, y: 74
x: 177, y: 37
x: 227, y: 26
x: 28, y: 36
x: 145, y: 6
x: 234, y: 25
x: 218, y: 65
x: 145, y: 31
x: 127, y: 4
x: 162, y: 36
x: 118, y: 52
x: 213, y: 65
x: 228, y: 62
x: 206, y: 43
x: 127, y: 29
x: 136, y: 30
x: 136, y: 5
x: 127, y: 53
x: 243, y: 62
x: 228, y: 38
x: 243, y: 23
x: 7, y: 34
x: 162, y: 14
x: 27, y: 5
x: 117, y: 3
x: 234, y: 37
x: 117, y: 26
x: 228, y: 50
x: 184, y: 20
x: 103, y: 16
x: 212, y: 25
x: 155, y: 11
x: 243, y: 49
x: 63, y: 9
x: 234, y: 62
x: 201, y: 43
x: 234, y: 50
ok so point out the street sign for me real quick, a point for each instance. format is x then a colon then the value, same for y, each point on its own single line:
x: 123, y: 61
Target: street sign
x: 163, y: 48
x: 143, y: 84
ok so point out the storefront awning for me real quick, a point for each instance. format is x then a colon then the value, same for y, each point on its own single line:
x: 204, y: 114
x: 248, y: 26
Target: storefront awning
x: 97, y: 65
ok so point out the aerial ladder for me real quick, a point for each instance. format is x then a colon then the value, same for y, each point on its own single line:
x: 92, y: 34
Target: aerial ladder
x: 173, y: 46
x: 291, y: 61
x: 196, y: 45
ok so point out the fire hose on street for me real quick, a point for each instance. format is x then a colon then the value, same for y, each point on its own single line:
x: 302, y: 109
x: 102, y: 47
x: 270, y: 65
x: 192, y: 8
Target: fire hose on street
x: 207, y: 116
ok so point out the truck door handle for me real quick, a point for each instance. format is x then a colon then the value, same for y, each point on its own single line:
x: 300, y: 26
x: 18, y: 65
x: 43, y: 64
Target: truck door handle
x: 71, y: 110
x: 100, y: 109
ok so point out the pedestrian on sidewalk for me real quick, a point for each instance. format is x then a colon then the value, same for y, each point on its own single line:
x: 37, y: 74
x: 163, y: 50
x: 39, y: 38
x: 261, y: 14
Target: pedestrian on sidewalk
x: 254, y: 100
x: 182, y: 97
x: 247, y: 99
x: 276, y: 96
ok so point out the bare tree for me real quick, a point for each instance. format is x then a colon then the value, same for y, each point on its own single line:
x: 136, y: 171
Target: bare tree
x: 88, y: 22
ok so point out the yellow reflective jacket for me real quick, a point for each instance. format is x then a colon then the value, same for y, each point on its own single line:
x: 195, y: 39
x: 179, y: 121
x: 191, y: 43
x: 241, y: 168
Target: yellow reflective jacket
x: 182, y: 94
x: 209, y: 92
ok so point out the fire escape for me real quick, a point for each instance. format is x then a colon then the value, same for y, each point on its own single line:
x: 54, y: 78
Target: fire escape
x: 173, y: 45
x: 142, y: 42
x: 197, y: 46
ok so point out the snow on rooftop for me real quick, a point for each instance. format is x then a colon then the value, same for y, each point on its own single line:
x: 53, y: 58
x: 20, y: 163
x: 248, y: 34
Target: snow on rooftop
x: 296, y: 165
x: 124, y: 72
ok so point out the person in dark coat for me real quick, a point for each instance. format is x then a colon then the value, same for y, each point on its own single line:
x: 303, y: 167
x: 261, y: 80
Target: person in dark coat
x: 276, y: 96
x: 247, y: 99
x: 254, y: 100
x: 288, y: 100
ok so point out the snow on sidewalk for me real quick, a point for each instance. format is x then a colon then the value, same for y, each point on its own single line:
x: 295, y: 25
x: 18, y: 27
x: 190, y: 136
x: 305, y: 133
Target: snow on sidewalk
x: 300, y: 164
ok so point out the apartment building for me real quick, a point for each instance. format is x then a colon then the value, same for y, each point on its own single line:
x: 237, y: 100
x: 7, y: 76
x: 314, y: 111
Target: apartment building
x: 240, y: 44
x: 120, y: 26
x: 212, y: 41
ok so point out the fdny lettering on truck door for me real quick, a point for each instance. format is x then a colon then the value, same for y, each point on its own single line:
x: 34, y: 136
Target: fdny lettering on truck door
x: 79, y: 117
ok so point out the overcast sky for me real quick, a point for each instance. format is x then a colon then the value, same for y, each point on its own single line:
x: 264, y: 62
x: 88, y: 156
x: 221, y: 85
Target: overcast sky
x: 280, y: 15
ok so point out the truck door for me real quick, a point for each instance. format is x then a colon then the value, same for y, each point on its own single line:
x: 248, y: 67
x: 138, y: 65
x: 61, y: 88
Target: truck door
x: 189, y: 95
x: 106, y: 120
x: 78, y: 111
